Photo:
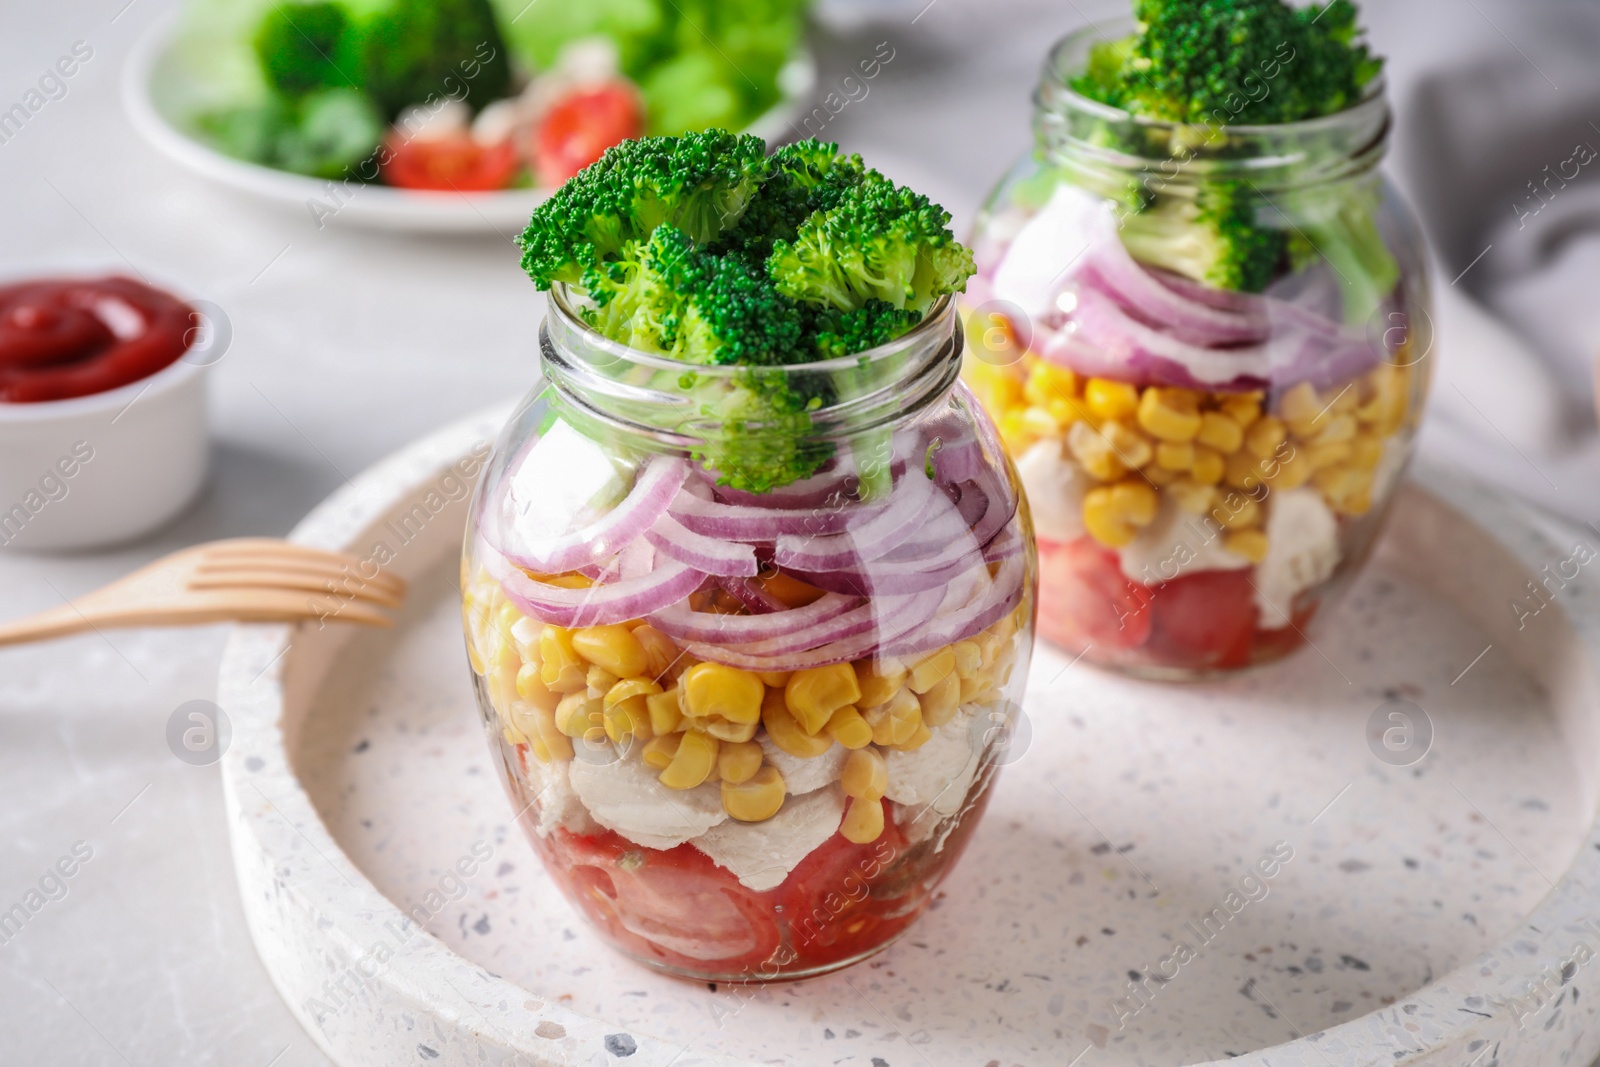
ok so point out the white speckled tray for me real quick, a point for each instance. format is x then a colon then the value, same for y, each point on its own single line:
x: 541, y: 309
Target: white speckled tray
x: 1421, y: 905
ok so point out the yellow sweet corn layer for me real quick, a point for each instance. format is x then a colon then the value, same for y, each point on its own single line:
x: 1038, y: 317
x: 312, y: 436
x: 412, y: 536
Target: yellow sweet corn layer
x: 1182, y: 442
x: 694, y: 723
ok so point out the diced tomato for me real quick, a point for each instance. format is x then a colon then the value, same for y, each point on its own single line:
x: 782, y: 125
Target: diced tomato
x: 1203, y: 620
x: 577, y: 130
x: 455, y: 163
x: 1085, y: 599
x: 836, y: 902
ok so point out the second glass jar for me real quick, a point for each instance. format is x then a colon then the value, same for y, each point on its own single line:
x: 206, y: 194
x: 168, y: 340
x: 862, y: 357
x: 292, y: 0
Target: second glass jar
x: 1206, y: 347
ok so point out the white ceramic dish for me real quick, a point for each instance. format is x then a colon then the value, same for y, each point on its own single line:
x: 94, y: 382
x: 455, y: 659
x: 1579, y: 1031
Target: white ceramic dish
x: 149, y: 90
x: 404, y: 918
x: 97, y: 470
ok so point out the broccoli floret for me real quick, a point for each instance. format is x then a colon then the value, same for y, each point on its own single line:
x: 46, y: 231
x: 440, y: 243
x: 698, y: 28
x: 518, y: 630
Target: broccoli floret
x: 298, y: 45
x: 758, y: 433
x: 1343, y: 230
x: 416, y: 50
x: 1216, y: 238
x: 1233, y: 62
x: 804, y: 177
x: 879, y: 242
x: 844, y: 333
x: 700, y: 183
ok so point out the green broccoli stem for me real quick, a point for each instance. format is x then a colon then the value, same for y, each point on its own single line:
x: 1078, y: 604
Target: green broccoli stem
x: 1341, y: 227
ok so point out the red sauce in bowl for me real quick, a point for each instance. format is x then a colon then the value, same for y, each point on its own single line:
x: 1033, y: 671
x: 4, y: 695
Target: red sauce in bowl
x: 67, y: 337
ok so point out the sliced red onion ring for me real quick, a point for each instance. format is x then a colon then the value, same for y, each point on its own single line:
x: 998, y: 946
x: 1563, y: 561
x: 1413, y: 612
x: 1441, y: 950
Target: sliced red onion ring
x: 709, y: 555
x: 653, y: 490
x: 1103, y: 324
x: 680, y: 622
x: 738, y: 522
x: 630, y: 598
x: 907, y: 505
x: 891, y: 627
x: 752, y: 596
x: 1194, y: 321
x: 857, y: 620
x: 1002, y: 595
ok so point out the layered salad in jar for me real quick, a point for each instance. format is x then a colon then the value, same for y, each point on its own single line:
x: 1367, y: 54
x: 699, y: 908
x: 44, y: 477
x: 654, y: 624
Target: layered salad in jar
x: 747, y: 587
x: 1200, y: 320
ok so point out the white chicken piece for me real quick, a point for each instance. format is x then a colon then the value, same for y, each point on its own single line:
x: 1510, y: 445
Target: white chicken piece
x: 559, y: 806
x: 801, y: 775
x: 1302, y: 551
x: 1055, y: 487
x: 626, y: 796
x: 761, y: 854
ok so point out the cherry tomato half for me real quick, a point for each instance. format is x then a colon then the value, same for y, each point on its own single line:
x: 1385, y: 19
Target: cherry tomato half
x: 455, y: 163
x: 1206, y: 619
x: 578, y: 129
x: 1085, y: 599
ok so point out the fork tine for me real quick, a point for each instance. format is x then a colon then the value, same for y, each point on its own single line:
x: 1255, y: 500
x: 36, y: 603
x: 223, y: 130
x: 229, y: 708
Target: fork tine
x: 339, y: 577
x: 267, y: 578
x: 288, y: 554
x: 272, y: 605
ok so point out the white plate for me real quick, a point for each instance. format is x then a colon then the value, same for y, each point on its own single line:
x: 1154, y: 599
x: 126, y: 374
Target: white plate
x: 149, y: 92
x: 1421, y: 905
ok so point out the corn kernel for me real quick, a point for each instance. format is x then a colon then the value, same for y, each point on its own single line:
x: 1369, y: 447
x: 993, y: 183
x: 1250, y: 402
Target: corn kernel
x: 560, y: 668
x: 659, y: 651
x: 630, y: 687
x: 1191, y: 496
x: 536, y: 748
x: 714, y: 689
x: 723, y: 730
x: 612, y: 647
x: 474, y: 657
x: 1357, y: 503
x: 786, y: 733
x: 896, y: 719
x: 940, y: 704
x: 1104, y: 521
x: 1064, y: 412
x: 1242, y: 408
x: 1251, y: 544
x: 931, y: 669
x: 1237, y: 512
x: 1336, y: 429
x: 1299, y: 407
x: 1016, y: 439
x: 1264, y: 437
x: 1209, y: 466
x: 1168, y: 414
x: 692, y: 762
x: 756, y: 799
x: 863, y: 821
x: 878, y: 680
x: 1172, y: 456
x: 1056, y: 381
x: 525, y: 635
x: 814, y: 694
x: 1106, y: 399
x: 919, y: 737
x: 1093, y: 452
x: 1245, y: 471
x: 1037, y: 422
x: 627, y: 718
x: 969, y: 658
x: 1137, y: 501
x: 848, y: 728
x: 1340, y: 483
x: 865, y: 774
x: 577, y: 715
x: 1366, y: 452
x: 665, y: 713
x: 979, y: 687
x: 1132, y: 448
x: 1159, y: 476
x: 774, y: 679
x: 1322, y: 456
x: 1294, y: 471
x: 599, y: 681
x: 659, y: 750
x: 739, y: 762
x: 531, y: 688
x: 1220, y: 432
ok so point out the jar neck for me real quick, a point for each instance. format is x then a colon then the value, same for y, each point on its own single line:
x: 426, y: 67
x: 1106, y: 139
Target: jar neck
x: 1108, y: 146
x: 664, y: 404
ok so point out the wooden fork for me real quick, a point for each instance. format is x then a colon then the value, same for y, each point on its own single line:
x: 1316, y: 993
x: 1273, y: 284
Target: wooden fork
x: 249, y: 579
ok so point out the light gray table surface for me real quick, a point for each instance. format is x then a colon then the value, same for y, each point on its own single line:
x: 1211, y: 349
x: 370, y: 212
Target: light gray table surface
x: 346, y: 346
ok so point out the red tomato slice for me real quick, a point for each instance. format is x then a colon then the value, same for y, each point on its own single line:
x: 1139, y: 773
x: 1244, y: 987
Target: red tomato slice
x: 1085, y: 599
x: 450, y: 164
x: 1206, y: 619
x: 578, y: 129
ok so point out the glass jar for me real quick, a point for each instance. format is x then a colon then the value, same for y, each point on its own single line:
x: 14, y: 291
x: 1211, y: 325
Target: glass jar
x: 1205, y: 346
x: 748, y: 732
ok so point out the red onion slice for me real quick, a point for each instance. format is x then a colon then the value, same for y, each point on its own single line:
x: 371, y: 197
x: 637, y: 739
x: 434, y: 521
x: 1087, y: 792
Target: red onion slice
x: 630, y: 598
x: 752, y: 596
x: 738, y: 522
x: 1122, y: 277
x: 680, y: 622
x: 653, y: 490
x: 857, y: 620
x: 908, y: 504
x: 859, y: 646
x: 1001, y: 595
x: 708, y: 555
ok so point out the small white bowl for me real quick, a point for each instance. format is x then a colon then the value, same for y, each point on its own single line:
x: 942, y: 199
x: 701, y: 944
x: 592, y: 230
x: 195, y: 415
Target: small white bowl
x: 99, y: 469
